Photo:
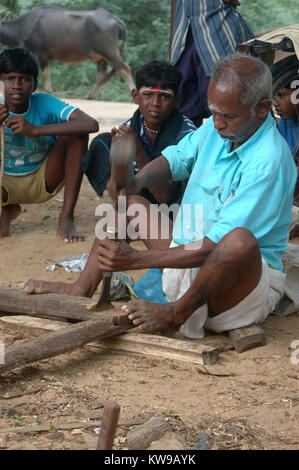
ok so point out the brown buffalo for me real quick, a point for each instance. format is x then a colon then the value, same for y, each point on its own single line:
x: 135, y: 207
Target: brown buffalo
x: 53, y: 33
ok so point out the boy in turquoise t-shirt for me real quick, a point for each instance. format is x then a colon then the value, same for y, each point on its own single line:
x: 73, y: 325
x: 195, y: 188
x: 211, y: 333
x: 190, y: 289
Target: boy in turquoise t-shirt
x: 45, y: 140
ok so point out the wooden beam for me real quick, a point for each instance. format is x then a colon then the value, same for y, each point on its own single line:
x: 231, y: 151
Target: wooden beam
x: 46, y: 305
x: 133, y: 342
x: 142, y: 436
x: 62, y: 341
x: 247, y: 338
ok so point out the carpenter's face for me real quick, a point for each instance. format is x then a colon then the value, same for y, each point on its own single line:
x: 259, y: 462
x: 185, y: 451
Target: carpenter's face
x: 155, y: 104
x: 283, y: 104
x: 18, y: 88
x: 232, y: 119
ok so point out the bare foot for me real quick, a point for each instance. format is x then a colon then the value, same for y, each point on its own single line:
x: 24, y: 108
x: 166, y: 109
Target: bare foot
x: 151, y: 317
x: 45, y: 287
x: 9, y: 213
x: 67, y: 231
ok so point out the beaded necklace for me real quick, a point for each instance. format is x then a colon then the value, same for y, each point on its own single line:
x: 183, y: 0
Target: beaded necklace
x: 150, y: 130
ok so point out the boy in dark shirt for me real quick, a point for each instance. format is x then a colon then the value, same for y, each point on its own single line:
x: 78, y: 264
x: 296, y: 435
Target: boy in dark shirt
x: 156, y: 124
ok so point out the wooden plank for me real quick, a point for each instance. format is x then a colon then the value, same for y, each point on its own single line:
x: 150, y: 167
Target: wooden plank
x: 247, y: 338
x: 133, y: 342
x: 161, y: 346
x: 33, y: 325
x: 62, y: 341
x: 125, y: 423
x: 56, y: 426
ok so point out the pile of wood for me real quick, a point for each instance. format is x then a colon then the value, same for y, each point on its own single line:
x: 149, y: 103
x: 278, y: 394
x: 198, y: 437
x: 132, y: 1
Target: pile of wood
x: 52, y: 313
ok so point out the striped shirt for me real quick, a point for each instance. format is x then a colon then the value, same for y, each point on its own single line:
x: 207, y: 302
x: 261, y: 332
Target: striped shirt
x: 217, y: 29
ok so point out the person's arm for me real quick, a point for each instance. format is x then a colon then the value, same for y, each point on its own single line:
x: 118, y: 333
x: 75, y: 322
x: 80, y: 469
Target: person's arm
x: 120, y: 256
x: 162, y: 193
x: 155, y: 173
x: 78, y: 123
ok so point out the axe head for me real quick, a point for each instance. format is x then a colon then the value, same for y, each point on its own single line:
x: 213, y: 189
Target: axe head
x: 122, y: 155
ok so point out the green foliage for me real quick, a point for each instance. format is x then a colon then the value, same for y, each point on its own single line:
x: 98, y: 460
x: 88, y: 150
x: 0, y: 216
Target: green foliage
x: 8, y: 8
x: 266, y: 14
x: 148, y: 27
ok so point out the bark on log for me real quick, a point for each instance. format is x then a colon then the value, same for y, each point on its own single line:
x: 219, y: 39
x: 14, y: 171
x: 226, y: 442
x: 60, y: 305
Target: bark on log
x: 133, y: 342
x: 53, y: 306
x: 142, y: 436
x: 65, y: 340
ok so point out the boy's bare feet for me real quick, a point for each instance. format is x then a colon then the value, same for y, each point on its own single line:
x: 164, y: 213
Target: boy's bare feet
x: 67, y: 230
x: 151, y: 317
x: 9, y: 213
x: 45, y: 287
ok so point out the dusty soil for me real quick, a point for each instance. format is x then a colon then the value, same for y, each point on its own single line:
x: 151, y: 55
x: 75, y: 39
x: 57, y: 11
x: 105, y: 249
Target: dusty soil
x: 244, y: 401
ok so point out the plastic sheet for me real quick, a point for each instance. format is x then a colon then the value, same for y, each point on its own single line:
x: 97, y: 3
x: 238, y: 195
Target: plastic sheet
x: 122, y: 285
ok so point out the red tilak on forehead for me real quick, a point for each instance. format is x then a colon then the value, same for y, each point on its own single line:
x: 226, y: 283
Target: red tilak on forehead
x: 157, y: 89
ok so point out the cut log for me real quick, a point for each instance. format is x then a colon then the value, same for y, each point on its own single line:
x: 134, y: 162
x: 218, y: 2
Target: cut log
x: 247, y: 338
x: 133, y: 342
x: 142, y: 436
x: 46, y: 305
x: 62, y: 341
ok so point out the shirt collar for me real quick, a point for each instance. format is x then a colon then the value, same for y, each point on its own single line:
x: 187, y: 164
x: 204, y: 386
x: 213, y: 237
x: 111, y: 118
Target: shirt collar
x: 244, y: 149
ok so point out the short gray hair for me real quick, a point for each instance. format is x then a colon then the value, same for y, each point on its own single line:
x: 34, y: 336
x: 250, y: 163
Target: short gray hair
x: 256, y: 82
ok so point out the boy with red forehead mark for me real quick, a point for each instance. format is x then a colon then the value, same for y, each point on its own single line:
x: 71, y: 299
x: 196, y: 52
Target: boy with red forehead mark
x: 156, y: 124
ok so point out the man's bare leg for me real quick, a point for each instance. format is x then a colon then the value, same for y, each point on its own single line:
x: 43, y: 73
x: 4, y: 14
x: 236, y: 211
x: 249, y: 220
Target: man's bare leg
x: 231, y: 271
x: 85, y: 286
x: 64, y: 164
x: 9, y: 213
x: 91, y: 276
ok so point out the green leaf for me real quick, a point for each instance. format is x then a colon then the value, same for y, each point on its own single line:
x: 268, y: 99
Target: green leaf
x: 173, y: 413
x: 18, y: 421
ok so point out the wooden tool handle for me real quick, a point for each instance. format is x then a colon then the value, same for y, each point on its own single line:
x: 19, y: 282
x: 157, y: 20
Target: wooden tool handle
x: 108, y: 427
x: 122, y: 155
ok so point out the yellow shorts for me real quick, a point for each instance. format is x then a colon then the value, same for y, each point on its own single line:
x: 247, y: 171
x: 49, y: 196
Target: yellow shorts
x: 30, y: 189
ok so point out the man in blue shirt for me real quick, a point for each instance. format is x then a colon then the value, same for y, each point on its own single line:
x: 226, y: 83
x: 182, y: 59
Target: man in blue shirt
x: 224, y: 271
x: 45, y: 139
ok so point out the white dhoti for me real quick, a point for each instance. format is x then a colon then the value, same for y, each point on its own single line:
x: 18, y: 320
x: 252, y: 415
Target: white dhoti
x: 253, y: 309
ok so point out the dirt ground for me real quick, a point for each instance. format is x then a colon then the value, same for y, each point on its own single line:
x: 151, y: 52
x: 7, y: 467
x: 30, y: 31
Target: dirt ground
x: 244, y: 401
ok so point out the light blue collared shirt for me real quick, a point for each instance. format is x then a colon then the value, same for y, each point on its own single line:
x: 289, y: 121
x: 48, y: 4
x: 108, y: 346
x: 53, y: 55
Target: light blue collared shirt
x: 250, y: 187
